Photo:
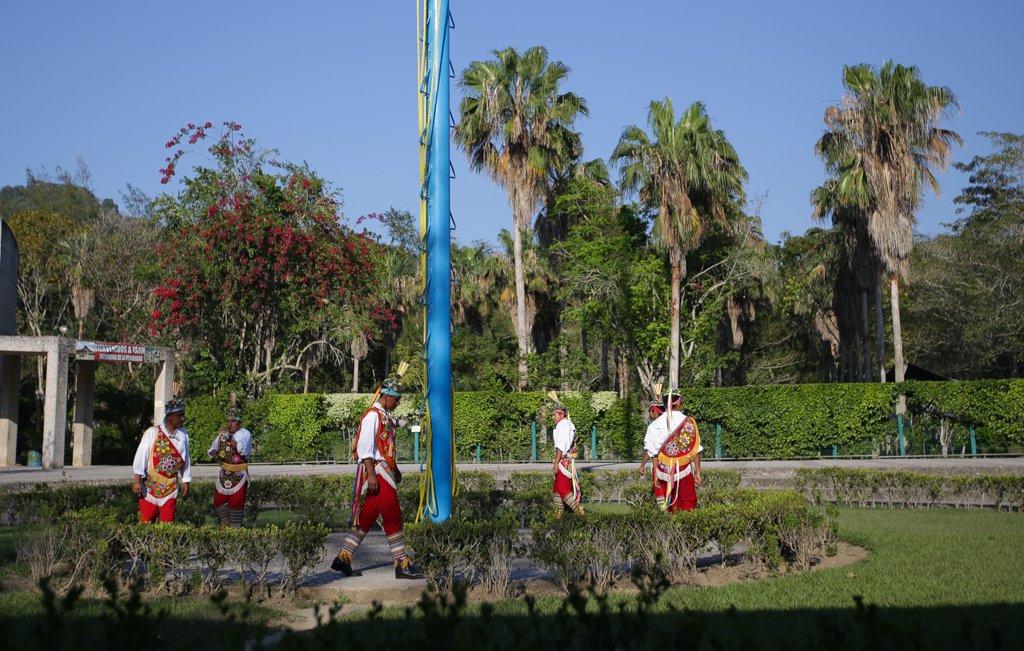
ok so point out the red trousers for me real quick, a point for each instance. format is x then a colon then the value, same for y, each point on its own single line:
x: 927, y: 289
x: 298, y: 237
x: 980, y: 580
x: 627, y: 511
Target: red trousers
x: 148, y: 511
x: 563, y: 485
x: 685, y: 498
x: 384, y: 504
x: 235, y: 500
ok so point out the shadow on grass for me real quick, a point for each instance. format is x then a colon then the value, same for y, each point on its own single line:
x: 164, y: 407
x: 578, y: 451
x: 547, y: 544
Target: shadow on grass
x: 575, y: 622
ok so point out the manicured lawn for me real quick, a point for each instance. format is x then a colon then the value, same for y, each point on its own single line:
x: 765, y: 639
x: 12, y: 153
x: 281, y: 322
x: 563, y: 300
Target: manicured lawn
x: 918, y: 558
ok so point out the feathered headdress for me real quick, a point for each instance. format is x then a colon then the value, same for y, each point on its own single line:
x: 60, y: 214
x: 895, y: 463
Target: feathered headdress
x: 234, y: 412
x: 556, y: 404
x: 174, y: 404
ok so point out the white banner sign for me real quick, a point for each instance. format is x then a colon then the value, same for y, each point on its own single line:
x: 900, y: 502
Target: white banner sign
x: 98, y: 351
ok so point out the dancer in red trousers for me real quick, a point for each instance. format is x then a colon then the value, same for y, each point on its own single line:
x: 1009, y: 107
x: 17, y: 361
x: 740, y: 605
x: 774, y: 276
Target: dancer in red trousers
x: 378, y: 477
x: 161, y: 457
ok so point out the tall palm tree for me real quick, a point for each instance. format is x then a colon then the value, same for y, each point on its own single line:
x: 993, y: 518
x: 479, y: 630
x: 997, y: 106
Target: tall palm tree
x: 692, y: 173
x: 887, y: 139
x: 514, y: 125
x: 858, y: 271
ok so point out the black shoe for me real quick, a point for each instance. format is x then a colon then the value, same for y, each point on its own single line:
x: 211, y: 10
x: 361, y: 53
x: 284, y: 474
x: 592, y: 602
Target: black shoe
x: 410, y: 571
x: 341, y: 566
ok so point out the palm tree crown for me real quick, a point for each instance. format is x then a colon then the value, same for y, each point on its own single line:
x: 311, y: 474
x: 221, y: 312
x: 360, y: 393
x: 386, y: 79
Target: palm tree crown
x: 692, y: 173
x: 516, y: 126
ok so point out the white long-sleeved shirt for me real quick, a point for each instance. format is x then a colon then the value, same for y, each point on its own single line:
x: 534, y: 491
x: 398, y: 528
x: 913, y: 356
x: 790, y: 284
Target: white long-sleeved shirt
x: 659, y: 431
x: 565, y: 434
x: 243, y: 442
x: 179, y: 439
x: 366, y: 444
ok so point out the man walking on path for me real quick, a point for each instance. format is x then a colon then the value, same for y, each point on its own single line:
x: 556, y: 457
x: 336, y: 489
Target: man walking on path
x: 673, y: 444
x: 566, y: 489
x: 379, y: 475
x: 232, y: 449
x: 161, y: 456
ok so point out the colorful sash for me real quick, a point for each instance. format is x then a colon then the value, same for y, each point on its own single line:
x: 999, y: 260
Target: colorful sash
x: 233, y: 465
x: 567, y: 466
x: 384, y: 441
x: 165, y: 462
x: 675, y: 457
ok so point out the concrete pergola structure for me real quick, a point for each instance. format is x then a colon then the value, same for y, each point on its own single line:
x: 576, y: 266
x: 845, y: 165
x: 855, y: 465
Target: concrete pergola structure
x: 59, y: 352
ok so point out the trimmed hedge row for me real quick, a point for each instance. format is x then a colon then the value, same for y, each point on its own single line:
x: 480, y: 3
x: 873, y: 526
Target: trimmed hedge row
x: 601, y: 549
x: 327, y: 499
x: 904, y: 489
x: 757, y: 421
x: 95, y: 546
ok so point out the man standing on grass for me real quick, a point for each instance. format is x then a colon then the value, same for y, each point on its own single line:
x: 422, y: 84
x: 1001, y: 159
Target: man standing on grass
x: 231, y: 449
x: 673, y: 444
x: 566, y: 489
x: 161, y: 456
x: 379, y: 475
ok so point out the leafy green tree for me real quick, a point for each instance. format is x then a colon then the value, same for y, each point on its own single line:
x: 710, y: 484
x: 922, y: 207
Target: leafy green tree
x: 692, y: 174
x: 515, y: 125
x: 888, y: 144
x: 964, y: 311
x: 259, y: 270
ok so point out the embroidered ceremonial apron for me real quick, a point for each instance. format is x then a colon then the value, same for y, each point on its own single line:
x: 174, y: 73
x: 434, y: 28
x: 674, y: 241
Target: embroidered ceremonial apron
x: 234, y: 473
x: 165, y: 462
x: 673, y: 462
x: 385, y: 444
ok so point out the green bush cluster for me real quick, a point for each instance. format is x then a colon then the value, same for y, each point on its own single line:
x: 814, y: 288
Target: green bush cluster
x: 95, y: 545
x: 905, y: 489
x: 600, y: 549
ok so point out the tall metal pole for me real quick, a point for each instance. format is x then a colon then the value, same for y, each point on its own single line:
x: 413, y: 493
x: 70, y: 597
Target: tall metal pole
x: 437, y: 242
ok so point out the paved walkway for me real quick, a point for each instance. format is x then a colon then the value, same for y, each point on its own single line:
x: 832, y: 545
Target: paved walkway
x: 751, y: 470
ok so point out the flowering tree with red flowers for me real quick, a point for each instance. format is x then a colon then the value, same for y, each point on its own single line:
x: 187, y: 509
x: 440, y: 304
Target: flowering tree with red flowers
x: 258, y: 271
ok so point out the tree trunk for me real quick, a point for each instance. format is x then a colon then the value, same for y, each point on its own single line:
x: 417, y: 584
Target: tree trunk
x: 305, y: 382
x: 880, y: 328
x: 604, y: 365
x: 842, y: 361
x: 865, y: 334
x: 897, y: 335
x: 563, y: 350
x: 387, y: 360
x: 677, y: 273
x: 521, y: 334
x: 860, y: 356
x: 355, y: 374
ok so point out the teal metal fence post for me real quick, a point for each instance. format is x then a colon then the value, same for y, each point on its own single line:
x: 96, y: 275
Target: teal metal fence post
x: 593, y: 442
x: 416, y: 444
x: 534, y: 428
x: 718, y: 440
x: 903, y: 444
x: 835, y: 450
x: 974, y: 442
x: 478, y: 453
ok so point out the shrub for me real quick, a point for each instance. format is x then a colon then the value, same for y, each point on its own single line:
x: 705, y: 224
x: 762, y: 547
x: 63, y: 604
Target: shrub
x: 301, y: 546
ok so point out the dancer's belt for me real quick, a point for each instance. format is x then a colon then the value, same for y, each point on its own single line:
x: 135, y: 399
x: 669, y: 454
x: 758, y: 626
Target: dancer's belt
x: 233, y: 467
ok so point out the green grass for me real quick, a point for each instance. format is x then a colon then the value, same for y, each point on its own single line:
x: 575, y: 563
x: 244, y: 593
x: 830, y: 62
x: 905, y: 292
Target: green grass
x: 917, y: 558
x: 280, y: 518
x: 606, y: 507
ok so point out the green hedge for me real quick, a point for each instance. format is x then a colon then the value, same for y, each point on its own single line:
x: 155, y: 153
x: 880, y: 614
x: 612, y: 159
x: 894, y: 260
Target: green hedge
x: 756, y: 421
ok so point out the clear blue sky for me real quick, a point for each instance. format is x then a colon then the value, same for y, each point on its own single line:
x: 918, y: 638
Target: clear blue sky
x: 333, y: 83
